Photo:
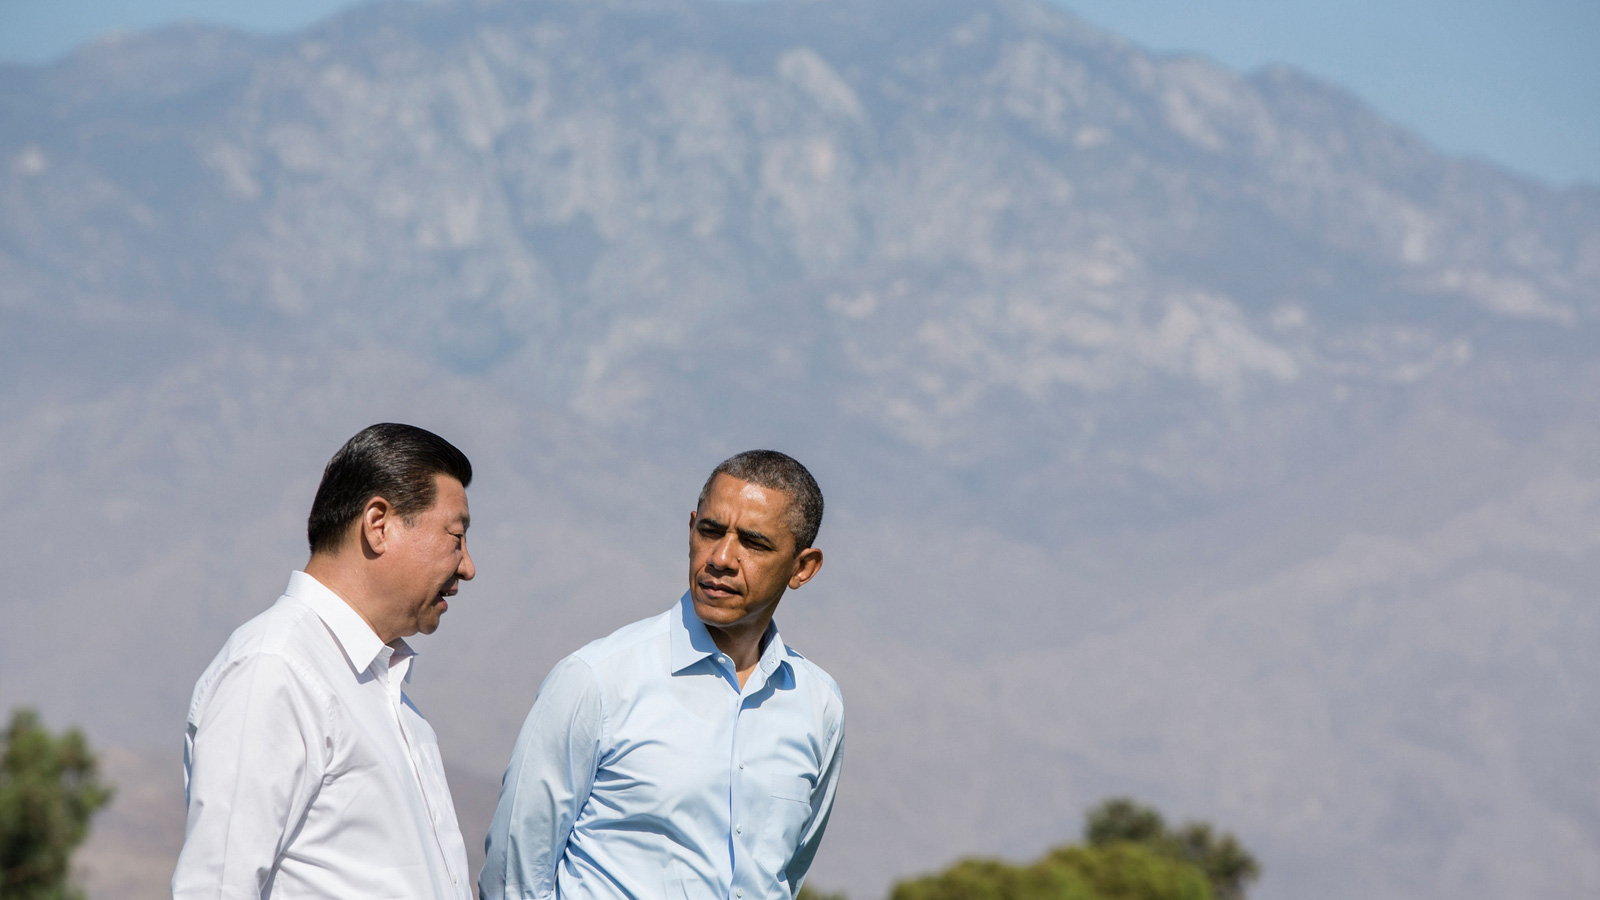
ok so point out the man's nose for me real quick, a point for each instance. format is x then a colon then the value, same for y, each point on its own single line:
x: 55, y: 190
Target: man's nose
x: 466, y: 570
x: 724, y: 555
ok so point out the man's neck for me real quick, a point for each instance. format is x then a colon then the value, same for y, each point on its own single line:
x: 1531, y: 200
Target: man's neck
x: 742, y: 645
x: 331, y: 571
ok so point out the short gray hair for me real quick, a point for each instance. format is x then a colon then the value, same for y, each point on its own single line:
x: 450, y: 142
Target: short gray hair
x: 777, y: 472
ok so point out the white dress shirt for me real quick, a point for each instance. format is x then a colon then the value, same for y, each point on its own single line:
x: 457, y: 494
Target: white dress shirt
x: 309, y: 772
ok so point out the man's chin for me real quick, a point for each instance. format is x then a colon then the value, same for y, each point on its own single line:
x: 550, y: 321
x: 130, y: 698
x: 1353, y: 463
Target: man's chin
x: 714, y: 614
x: 733, y: 613
x: 428, y: 620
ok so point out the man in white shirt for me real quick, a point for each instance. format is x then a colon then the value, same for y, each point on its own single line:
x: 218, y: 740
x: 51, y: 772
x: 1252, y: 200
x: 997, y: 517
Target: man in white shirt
x: 309, y: 772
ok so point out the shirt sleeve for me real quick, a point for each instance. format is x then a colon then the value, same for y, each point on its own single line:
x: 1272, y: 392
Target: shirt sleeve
x: 255, y: 755
x: 545, y: 788
x: 821, y: 807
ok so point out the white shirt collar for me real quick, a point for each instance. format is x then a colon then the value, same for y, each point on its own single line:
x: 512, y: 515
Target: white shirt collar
x: 360, y: 643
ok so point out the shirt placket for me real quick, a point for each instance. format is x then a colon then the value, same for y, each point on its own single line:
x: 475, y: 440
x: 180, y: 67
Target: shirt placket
x: 746, y: 798
x: 393, y: 687
x: 737, y: 789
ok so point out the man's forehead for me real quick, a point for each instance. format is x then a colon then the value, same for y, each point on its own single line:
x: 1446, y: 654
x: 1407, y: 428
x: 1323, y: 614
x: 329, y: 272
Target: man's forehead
x: 725, y: 488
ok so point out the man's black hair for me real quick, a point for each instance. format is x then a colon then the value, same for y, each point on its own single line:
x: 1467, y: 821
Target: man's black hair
x: 395, y: 462
x: 777, y: 472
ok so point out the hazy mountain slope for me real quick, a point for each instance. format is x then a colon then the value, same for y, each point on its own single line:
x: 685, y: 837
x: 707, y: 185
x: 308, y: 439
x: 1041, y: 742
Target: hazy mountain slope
x: 982, y: 210
x: 1185, y: 433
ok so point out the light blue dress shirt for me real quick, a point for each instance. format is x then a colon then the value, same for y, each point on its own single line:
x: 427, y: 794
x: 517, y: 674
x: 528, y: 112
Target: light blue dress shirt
x: 644, y: 772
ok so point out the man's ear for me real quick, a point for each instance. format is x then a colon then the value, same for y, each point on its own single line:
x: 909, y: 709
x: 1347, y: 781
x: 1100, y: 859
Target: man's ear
x: 376, y: 519
x: 807, y: 563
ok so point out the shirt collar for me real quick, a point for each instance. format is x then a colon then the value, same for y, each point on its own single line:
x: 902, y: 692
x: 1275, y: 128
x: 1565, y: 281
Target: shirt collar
x: 691, y: 641
x: 360, y: 643
x: 773, y: 656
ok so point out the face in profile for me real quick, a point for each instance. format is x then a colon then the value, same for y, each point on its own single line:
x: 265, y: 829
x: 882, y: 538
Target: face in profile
x: 430, y: 557
x: 742, y: 554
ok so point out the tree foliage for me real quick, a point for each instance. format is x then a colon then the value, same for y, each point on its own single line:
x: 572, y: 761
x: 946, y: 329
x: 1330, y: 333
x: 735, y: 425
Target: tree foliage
x: 1227, y: 865
x: 49, y: 789
x: 1129, y: 854
x: 1115, y: 872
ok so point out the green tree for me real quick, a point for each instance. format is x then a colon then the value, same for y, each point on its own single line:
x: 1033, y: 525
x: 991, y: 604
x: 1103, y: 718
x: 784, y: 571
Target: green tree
x: 1129, y: 854
x: 1121, y: 871
x: 1227, y: 865
x: 49, y: 789
x: 1121, y: 819
x: 1132, y: 872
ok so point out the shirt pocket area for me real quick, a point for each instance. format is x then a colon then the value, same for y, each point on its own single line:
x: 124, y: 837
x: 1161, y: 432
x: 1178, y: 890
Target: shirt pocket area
x: 788, y: 811
x: 792, y: 787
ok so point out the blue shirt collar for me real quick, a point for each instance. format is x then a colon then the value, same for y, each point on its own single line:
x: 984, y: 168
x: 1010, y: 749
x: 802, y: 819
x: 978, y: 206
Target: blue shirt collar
x: 691, y: 641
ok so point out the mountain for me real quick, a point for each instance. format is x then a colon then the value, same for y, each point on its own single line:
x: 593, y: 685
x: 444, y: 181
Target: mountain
x: 1188, y: 434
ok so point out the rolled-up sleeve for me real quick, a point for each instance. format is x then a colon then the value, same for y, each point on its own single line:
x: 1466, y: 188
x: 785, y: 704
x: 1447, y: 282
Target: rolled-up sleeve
x: 255, y: 755
x: 546, y: 785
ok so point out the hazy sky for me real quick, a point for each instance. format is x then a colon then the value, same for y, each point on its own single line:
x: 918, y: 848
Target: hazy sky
x: 1513, y: 81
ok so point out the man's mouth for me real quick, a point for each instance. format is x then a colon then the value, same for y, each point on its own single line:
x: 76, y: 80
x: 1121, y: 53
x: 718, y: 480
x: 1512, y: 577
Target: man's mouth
x: 715, y: 589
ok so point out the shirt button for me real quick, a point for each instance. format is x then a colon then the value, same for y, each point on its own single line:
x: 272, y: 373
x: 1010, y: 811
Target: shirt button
x: 739, y: 892
x: 738, y: 829
x: 741, y: 765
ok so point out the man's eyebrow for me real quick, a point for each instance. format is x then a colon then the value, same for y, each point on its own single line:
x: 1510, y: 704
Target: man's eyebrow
x: 466, y: 522
x: 746, y: 534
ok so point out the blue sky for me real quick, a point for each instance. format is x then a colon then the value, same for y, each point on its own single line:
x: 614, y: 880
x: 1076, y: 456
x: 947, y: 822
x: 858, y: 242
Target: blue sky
x: 1516, y: 82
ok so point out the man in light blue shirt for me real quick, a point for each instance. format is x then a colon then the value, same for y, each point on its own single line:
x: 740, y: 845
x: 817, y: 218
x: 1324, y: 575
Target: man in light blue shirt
x: 693, y: 755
